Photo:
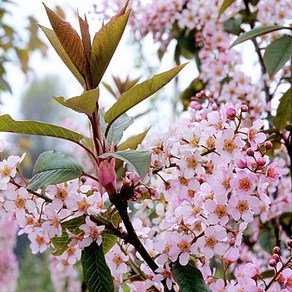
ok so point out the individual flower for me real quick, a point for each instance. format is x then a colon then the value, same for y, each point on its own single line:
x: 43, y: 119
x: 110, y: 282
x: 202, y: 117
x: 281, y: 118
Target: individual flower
x: 53, y: 216
x: 240, y: 207
x: 229, y: 145
x: 213, y: 241
x: 182, y: 248
x: 243, y: 182
x: 92, y: 233
x: 39, y: 241
x: 8, y: 169
x: 117, y: 262
x: 18, y: 200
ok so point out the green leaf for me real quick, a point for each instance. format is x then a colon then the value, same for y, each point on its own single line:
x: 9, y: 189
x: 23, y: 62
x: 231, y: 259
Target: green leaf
x: 139, y: 160
x: 225, y: 5
x: 256, y: 32
x: 277, y: 54
x: 233, y: 25
x: 283, y: 115
x: 267, y: 238
x: 117, y: 129
x: 189, y: 278
x: 53, y: 167
x: 97, y: 275
x: 104, y: 45
x: 133, y: 142
x: 108, y: 241
x: 7, y: 124
x: 84, y: 103
x: 61, y: 243
x: 139, y: 92
x: 50, y: 34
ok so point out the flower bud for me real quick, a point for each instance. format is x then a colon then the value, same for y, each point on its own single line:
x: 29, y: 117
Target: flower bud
x: 268, y: 145
x: 276, y: 257
x: 107, y: 175
x: 261, y: 161
x: 290, y: 243
x: 272, y: 263
x: 277, y: 250
x: 249, y: 152
x: 241, y: 163
x: 244, y: 108
x: 231, y: 113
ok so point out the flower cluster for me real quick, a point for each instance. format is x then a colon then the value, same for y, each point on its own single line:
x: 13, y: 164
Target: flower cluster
x: 214, y: 179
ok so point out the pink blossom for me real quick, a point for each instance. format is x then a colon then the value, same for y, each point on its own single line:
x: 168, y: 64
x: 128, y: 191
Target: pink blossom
x: 54, y: 215
x: 229, y: 145
x: 213, y: 241
x: 19, y: 202
x: 116, y: 261
x: 39, y: 241
x: 92, y: 233
x: 8, y: 169
x: 244, y: 182
x: 253, y: 136
x: 107, y: 175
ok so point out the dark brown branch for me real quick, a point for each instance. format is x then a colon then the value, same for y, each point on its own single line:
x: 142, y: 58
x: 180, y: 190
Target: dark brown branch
x: 121, y: 204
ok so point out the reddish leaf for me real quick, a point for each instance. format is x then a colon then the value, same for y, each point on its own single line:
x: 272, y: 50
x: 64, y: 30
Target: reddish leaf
x: 70, y: 41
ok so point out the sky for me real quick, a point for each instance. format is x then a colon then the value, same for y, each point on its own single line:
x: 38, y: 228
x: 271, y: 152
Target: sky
x: 122, y: 64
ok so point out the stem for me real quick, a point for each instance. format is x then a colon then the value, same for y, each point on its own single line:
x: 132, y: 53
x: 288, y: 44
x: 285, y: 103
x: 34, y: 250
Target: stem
x: 31, y: 191
x: 277, y: 274
x: 132, y: 237
x: 90, y: 176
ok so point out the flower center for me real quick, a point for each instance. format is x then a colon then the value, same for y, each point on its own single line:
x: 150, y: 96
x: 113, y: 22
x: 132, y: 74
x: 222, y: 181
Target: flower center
x: 210, y: 142
x: 62, y: 194
x: 94, y: 233
x: 229, y: 145
x: 191, y: 193
x: 242, y: 205
x: 70, y: 251
x: 244, y: 184
x: 220, y: 211
x: 226, y: 183
x: 117, y: 259
x: 195, y: 141
x: 251, y: 134
x: 184, y: 246
x: 40, y: 240
x: 20, y: 203
x: 5, y: 171
x: 83, y: 205
x: 211, y: 241
x: 183, y: 180
x: 192, y: 162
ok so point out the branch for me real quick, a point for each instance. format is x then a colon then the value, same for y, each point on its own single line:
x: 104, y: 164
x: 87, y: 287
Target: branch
x: 122, y: 205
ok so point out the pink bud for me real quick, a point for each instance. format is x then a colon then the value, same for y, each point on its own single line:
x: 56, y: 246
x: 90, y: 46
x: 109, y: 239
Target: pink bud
x: 277, y: 250
x: 241, y: 163
x: 268, y: 145
x: 276, y: 257
x: 107, y: 176
x: 272, y: 263
x: 244, y: 108
x: 231, y: 113
x: 261, y: 161
x: 249, y: 152
x: 193, y: 104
